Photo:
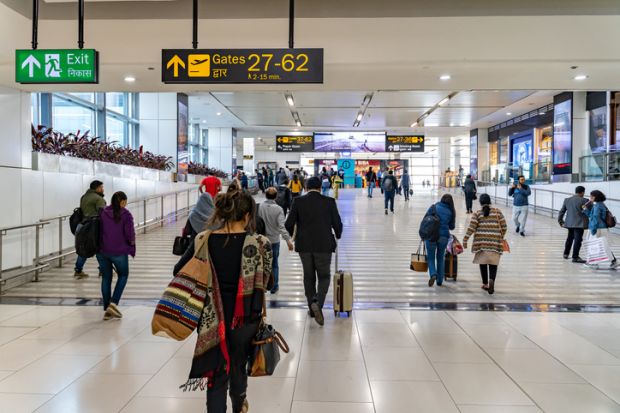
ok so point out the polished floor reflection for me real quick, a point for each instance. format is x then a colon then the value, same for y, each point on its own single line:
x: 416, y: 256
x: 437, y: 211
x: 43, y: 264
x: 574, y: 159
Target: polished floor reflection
x: 65, y: 359
x: 377, y: 249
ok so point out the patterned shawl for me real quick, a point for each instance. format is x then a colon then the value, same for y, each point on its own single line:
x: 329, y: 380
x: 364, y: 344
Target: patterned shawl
x: 211, y: 354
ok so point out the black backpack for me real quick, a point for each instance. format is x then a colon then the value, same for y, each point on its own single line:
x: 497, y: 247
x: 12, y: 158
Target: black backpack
x: 429, y: 228
x: 87, y: 238
x: 76, y: 219
x: 388, y: 184
x: 282, y: 198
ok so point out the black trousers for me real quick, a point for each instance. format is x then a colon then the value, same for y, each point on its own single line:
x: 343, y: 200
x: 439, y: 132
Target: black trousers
x: 574, y: 240
x: 239, y: 344
x: 469, y: 201
x: 484, y: 272
x: 317, y: 267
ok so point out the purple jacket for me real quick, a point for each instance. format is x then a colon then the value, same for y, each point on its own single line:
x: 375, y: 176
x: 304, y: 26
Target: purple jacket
x: 117, y: 238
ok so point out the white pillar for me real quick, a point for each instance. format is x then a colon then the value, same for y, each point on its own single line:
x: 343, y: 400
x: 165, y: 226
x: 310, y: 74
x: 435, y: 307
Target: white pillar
x: 221, y: 149
x: 248, y: 156
x: 444, y: 155
x: 581, y: 141
x: 483, y: 153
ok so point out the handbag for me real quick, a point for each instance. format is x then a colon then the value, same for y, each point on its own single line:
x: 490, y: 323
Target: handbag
x: 418, y: 260
x: 475, y: 196
x: 505, y: 246
x: 180, y: 245
x: 265, y: 354
x: 454, y: 246
x: 178, y: 312
x: 597, y: 250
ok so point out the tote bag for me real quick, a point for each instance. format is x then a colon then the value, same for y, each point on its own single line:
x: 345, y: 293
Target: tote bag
x: 597, y: 250
x: 418, y: 260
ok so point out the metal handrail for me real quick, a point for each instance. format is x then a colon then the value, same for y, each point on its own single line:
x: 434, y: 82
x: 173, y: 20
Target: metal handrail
x: 61, y: 253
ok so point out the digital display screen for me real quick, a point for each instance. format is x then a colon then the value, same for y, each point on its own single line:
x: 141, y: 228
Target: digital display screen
x: 354, y: 142
x: 522, y: 151
x: 563, y: 137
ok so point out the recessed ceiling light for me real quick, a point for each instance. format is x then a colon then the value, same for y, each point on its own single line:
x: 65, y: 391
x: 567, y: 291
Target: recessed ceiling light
x: 444, y: 101
x: 298, y: 123
x: 130, y: 79
x: 581, y: 77
x: 465, y: 125
x: 414, y: 124
x: 271, y: 148
x: 445, y: 77
x: 204, y: 121
x: 508, y: 113
x: 219, y: 113
x: 452, y: 125
x: 290, y: 100
x: 359, y: 116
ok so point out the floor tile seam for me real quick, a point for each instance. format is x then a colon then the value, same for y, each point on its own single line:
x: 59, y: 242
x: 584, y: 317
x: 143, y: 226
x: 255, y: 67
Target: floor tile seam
x: 372, y: 396
x: 301, y: 349
x: 590, y: 342
x: 498, y: 365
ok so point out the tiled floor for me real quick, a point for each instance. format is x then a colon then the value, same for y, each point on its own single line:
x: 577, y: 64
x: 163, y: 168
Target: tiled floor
x: 377, y: 249
x: 65, y: 359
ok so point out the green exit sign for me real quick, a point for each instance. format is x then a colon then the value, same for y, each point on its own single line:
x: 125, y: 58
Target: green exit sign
x: 57, y: 66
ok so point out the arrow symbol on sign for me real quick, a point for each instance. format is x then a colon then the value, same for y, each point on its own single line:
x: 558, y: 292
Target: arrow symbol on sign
x: 31, y: 62
x: 176, y: 61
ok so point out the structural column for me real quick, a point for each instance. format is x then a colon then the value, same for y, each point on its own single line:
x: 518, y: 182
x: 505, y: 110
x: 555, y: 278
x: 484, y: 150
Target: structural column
x: 221, y: 149
x: 581, y: 141
x: 248, y: 156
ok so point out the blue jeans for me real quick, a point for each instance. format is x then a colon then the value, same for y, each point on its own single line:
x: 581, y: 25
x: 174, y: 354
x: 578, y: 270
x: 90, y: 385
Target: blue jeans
x: 325, y: 190
x: 79, y: 263
x: 389, y: 197
x: 275, y: 248
x: 371, y: 186
x: 406, y: 191
x: 435, y: 255
x: 121, y: 263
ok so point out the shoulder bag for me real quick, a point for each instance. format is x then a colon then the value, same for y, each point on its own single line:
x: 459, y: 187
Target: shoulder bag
x: 265, y: 354
x: 418, y: 260
x: 505, y: 244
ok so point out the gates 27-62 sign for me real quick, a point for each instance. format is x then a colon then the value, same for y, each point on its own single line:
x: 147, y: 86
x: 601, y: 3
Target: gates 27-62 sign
x: 57, y: 66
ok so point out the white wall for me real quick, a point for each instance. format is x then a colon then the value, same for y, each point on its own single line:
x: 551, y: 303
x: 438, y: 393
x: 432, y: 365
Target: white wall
x: 158, y: 123
x: 221, y: 149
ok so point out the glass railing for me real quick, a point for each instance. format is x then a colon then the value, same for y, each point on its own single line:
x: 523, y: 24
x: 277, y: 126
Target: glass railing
x: 600, y: 167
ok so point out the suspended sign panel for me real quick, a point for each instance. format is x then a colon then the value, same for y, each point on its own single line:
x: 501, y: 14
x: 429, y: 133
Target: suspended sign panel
x: 414, y: 143
x: 57, y: 66
x: 242, y: 66
x: 294, y: 143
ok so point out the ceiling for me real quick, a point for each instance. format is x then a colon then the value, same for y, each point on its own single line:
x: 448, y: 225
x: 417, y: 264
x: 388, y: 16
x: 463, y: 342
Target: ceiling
x: 241, y: 9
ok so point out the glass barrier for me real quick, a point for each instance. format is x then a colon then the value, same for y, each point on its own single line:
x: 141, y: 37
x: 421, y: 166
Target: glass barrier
x: 600, y: 167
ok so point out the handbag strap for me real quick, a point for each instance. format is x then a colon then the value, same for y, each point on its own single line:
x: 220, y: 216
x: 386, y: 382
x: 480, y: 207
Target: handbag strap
x: 421, y: 246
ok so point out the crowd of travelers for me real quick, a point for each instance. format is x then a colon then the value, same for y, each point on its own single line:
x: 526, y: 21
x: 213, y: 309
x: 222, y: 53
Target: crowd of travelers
x: 241, y: 240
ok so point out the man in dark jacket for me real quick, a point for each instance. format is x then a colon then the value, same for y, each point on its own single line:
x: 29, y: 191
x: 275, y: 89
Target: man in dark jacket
x: 520, y: 193
x: 90, y: 204
x: 371, y: 181
x: 315, y: 216
x: 572, y: 218
x: 469, y: 187
x: 389, y: 185
x: 285, y: 196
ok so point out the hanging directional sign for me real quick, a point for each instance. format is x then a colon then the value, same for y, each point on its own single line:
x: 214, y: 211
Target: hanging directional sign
x: 57, y: 66
x: 294, y: 143
x: 411, y: 143
x: 242, y: 66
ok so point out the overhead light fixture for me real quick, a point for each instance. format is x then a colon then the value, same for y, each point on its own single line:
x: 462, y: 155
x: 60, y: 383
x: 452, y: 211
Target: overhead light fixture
x: 581, y: 77
x: 444, y: 101
x: 290, y: 100
x: 130, y: 79
x: 452, y: 125
x: 359, y: 117
x: 271, y: 148
x: 424, y: 116
x: 298, y: 123
x: 465, y: 125
x: 219, y: 113
x: 414, y: 124
x: 445, y: 77
x: 508, y: 113
x: 204, y: 121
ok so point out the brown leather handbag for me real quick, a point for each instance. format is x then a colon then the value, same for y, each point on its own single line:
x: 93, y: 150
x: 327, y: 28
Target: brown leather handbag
x: 266, y: 352
x: 418, y: 260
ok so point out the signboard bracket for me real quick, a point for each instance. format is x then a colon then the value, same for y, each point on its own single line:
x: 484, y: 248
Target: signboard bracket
x: 35, y: 24
x: 195, y: 26
x: 291, y: 25
x: 81, y: 24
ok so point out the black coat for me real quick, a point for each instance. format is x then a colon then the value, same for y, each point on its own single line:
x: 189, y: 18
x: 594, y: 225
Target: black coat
x: 315, y: 216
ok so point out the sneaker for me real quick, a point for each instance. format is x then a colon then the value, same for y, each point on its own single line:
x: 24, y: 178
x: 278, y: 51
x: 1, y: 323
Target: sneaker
x: 80, y: 275
x: 565, y: 256
x: 579, y: 260
x: 310, y: 313
x: 386, y: 212
x: 522, y: 233
x: 431, y: 282
x: 491, y: 289
x: 518, y: 229
x: 113, y: 309
x: 485, y: 287
x: 318, y: 313
x: 107, y: 315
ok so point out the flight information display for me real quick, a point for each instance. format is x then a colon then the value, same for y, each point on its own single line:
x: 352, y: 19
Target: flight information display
x: 354, y: 142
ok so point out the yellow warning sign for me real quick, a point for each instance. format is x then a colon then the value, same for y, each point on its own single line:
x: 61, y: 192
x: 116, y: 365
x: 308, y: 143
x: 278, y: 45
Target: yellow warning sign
x: 199, y: 65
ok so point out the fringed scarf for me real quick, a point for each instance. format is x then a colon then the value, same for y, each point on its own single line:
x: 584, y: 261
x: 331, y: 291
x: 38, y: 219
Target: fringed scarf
x: 211, y: 354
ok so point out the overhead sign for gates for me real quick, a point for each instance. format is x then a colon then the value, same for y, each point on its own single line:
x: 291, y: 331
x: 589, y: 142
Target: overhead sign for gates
x: 294, y: 143
x: 57, y: 66
x: 413, y: 143
x: 242, y: 66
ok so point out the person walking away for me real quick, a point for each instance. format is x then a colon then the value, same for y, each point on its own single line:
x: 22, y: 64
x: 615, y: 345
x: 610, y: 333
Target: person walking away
x: 296, y: 186
x: 273, y: 216
x: 405, y: 182
x: 380, y: 179
x: 488, y: 226
x: 573, y: 219
x: 240, y: 274
x: 271, y: 178
x: 200, y: 215
x: 284, y: 197
x: 318, y: 225
x: 91, y: 203
x: 211, y: 185
x: 520, y: 193
x: 118, y: 242
x: 389, y: 186
x: 469, y: 188
x: 244, y: 181
x: 336, y: 182
x: 371, y: 181
x: 259, y: 181
x: 596, y: 211
x: 325, y: 183
x: 436, y: 250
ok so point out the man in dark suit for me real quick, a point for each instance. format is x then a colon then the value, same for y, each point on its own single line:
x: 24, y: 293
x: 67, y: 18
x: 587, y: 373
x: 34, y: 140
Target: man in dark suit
x: 574, y: 220
x: 315, y: 216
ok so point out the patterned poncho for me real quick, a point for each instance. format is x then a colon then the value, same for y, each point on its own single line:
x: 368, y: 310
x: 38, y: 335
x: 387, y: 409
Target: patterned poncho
x: 489, y: 231
x: 211, y: 354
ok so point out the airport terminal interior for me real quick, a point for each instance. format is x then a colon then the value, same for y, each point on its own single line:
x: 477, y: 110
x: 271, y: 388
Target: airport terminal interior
x: 130, y: 126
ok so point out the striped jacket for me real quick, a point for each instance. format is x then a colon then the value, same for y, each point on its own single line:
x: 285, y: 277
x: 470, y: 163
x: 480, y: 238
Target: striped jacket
x: 488, y: 231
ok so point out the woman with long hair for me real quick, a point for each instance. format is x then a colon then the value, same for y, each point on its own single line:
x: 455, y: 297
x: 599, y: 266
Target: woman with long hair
x: 239, y: 275
x: 118, y: 242
x: 436, y: 250
x: 296, y: 186
x: 488, y: 226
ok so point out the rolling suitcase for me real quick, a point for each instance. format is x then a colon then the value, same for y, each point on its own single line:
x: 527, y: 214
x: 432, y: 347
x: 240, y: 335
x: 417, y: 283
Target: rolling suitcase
x: 343, y: 291
x: 451, y: 266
